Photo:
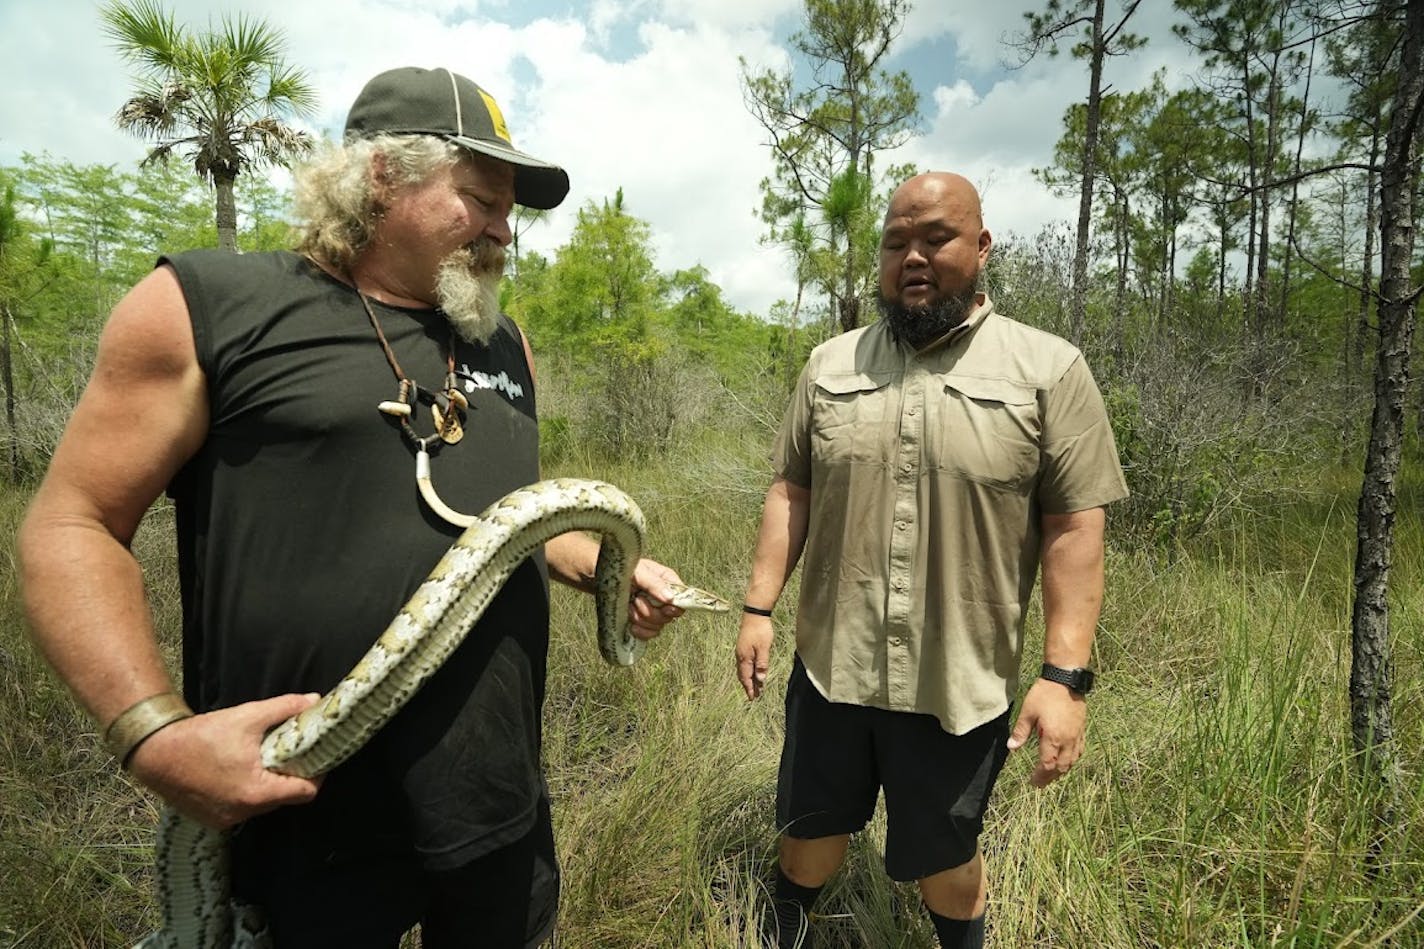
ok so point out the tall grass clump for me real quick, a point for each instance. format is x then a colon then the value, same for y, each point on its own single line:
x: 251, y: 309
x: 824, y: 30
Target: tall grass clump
x: 75, y: 836
x: 1219, y: 804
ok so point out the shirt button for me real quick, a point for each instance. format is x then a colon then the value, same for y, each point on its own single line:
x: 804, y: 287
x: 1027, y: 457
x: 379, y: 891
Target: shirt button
x: 914, y: 411
x: 895, y: 640
x: 907, y: 467
x: 899, y: 584
x: 901, y: 525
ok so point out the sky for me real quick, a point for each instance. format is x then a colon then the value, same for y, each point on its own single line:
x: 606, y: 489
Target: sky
x: 642, y: 95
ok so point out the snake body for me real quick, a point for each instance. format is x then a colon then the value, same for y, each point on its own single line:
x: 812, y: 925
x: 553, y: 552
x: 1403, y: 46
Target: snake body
x: 198, y: 912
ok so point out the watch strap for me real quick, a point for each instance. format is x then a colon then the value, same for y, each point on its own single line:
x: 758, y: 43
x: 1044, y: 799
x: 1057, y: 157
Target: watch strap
x: 1079, y: 680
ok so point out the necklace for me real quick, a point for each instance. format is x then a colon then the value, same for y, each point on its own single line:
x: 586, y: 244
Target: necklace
x: 447, y: 409
x: 446, y: 406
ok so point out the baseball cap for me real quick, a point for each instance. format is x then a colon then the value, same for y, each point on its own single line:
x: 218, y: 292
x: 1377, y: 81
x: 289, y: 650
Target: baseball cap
x: 415, y: 101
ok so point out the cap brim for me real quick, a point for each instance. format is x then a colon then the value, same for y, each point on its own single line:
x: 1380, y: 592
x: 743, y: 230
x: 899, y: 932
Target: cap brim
x: 537, y: 184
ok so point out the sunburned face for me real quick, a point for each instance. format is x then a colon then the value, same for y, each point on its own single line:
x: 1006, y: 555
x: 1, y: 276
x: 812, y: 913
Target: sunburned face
x: 445, y: 231
x: 932, y: 250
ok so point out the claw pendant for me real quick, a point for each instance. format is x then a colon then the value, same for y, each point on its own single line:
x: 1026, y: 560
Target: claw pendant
x: 447, y: 423
x: 446, y: 413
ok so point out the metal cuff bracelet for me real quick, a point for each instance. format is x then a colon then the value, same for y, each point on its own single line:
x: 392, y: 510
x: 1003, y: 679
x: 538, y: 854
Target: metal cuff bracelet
x: 141, y: 720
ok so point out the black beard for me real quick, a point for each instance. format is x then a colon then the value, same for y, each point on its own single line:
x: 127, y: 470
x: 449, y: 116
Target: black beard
x: 927, y: 322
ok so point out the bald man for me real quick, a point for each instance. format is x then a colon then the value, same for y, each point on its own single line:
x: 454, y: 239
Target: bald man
x: 926, y: 467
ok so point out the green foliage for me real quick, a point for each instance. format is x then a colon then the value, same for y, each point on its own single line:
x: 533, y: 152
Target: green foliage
x: 824, y: 139
x: 23, y: 254
x: 601, y: 289
x: 638, y: 356
x: 701, y: 324
x: 171, y: 211
x: 1202, y: 438
x: 556, y: 438
x: 1092, y: 38
x: 1366, y: 58
x: 1161, y: 159
x: 80, y: 237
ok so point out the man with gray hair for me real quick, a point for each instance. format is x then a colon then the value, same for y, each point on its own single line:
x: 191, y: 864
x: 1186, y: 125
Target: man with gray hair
x: 248, y: 388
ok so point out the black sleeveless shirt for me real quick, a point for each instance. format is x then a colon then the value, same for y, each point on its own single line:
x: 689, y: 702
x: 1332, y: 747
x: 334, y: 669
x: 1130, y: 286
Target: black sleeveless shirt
x: 301, y: 533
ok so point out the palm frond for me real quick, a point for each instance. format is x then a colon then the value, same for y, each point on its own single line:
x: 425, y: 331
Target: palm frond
x: 289, y: 87
x: 252, y: 40
x: 160, y: 154
x: 144, y: 33
x: 152, y: 115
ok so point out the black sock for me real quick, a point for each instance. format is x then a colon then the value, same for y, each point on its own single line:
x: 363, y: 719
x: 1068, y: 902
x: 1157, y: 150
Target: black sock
x: 958, y: 933
x: 793, y: 912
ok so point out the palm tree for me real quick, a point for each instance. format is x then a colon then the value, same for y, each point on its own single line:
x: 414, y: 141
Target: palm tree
x: 219, y: 97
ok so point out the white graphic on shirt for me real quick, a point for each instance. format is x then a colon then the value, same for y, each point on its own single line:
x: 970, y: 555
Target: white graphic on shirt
x: 474, y: 379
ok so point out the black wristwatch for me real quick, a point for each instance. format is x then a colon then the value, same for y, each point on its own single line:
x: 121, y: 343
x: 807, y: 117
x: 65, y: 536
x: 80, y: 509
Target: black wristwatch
x: 1079, y: 680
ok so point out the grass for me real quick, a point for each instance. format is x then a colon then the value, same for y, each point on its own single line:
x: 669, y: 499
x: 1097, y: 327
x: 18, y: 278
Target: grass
x: 1219, y: 804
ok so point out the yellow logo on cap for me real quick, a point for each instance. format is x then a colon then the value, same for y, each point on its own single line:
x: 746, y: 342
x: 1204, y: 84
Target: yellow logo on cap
x: 497, y: 117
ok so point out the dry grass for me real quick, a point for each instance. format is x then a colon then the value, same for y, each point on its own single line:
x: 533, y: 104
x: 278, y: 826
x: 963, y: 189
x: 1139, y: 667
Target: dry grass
x: 1218, y: 805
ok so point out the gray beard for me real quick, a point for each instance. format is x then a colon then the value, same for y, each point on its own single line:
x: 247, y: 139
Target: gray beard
x: 923, y: 324
x: 467, y: 289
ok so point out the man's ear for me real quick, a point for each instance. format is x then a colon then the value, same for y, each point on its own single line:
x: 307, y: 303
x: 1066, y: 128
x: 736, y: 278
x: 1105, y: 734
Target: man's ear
x: 380, y: 180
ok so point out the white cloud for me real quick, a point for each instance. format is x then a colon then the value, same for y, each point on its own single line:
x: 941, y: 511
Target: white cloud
x: 729, y: 14
x: 961, y: 95
x: 977, y: 30
x: 669, y: 128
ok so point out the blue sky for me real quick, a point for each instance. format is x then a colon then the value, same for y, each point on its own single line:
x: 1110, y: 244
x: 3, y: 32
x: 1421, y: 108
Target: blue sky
x: 637, y: 94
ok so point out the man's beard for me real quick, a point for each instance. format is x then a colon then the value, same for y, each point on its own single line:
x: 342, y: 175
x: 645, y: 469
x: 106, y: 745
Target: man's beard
x: 924, y: 323
x: 467, y: 289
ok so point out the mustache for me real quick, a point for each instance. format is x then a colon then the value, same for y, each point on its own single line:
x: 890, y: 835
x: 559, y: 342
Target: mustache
x: 483, y: 256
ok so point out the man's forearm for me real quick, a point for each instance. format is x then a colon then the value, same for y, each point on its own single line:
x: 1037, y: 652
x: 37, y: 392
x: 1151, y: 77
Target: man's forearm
x: 84, y: 598
x: 573, y: 559
x: 780, y: 539
x: 1072, y: 564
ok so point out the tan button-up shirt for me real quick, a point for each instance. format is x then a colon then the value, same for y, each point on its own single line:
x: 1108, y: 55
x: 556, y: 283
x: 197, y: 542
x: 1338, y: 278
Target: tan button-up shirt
x: 929, y: 472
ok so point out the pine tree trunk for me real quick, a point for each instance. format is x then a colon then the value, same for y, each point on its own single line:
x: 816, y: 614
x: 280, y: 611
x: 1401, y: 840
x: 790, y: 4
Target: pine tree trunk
x: 7, y: 374
x: 1251, y: 325
x: 1225, y: 231
x: 1093, y: 119
x: 1293, y: 206
x: 1120, y: 291
x: 1367, y: 263
x: 1371, y: 671
x: 848, y: 311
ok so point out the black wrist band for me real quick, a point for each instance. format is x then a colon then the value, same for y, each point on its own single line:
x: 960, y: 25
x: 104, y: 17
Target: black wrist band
x: 755, y: 611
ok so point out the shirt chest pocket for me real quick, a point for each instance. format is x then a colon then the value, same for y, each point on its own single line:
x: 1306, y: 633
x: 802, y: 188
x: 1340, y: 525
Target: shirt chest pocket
x: 853, y: 416
x: 987, y: 430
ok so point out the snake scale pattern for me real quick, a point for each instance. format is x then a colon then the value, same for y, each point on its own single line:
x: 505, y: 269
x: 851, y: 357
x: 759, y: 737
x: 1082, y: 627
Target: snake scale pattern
x: 198, y: 912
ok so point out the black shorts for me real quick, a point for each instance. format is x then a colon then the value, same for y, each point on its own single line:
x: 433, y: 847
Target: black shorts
x: 837, y: 757
x: 367, y: 894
